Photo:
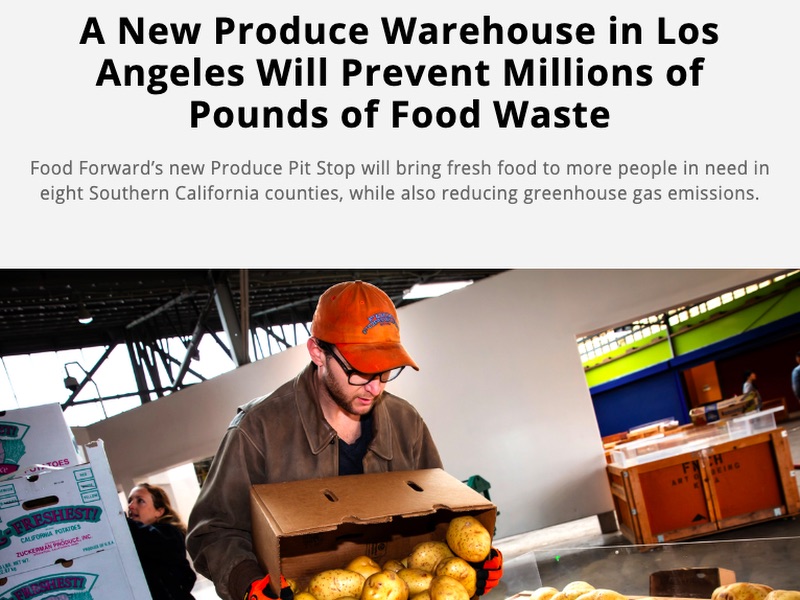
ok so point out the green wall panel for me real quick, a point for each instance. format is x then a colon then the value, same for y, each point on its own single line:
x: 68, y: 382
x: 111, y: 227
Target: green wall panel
x: 732, y: 319
x: 636, y: 361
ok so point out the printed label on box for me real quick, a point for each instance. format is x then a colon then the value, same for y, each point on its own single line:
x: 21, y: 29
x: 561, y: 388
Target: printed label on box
x: 95, y: 576
x: 8, y: 496
x: 55, y: 586
x: 59, y: 515
x: 35, y: 439
x: 12, y: 448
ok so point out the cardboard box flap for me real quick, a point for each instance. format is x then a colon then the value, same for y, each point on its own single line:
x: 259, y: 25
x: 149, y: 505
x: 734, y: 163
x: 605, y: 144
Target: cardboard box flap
x: 294, y: 508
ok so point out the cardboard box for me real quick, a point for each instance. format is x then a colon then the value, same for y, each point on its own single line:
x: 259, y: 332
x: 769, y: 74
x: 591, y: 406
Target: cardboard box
x: 97, y: 576
x: 33, y: 439
x: 64, y: 514
x: 724, y: 409
x: 303, y: 527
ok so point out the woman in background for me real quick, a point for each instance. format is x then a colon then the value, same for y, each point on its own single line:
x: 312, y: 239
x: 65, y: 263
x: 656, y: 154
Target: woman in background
x: 160, y: 539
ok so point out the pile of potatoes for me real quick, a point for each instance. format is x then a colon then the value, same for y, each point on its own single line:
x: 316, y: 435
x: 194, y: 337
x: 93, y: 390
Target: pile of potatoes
x: 752, y: 591
x: 575, y: 590
x: 434, y: 570
x: 733, y: 591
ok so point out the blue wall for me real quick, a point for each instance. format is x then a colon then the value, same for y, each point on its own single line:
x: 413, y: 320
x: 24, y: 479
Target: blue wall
x: 657, y: 395
x: 657, y: 392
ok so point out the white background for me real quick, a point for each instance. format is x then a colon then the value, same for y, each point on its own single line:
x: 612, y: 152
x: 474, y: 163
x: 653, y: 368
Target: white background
x: 742, y: 110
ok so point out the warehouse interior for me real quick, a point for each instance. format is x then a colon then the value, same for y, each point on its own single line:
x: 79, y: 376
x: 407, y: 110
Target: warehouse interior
x: 514, y: 331
x: 137, y: 310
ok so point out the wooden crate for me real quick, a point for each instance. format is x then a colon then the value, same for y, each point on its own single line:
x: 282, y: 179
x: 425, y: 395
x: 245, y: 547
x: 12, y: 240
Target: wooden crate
x: 662, y: 500
x: 735, y: 483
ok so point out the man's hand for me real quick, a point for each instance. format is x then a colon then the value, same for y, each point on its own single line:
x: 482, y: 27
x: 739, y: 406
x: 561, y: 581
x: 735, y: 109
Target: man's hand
x: 488, y: 572
x: 261, y: 590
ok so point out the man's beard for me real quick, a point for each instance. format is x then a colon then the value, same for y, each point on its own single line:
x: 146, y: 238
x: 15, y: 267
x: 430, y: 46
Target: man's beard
x: 339, y: 394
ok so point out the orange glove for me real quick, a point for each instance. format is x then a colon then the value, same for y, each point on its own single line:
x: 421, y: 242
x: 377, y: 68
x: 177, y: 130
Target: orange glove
x: 261, y: 590
x: 489, y: 571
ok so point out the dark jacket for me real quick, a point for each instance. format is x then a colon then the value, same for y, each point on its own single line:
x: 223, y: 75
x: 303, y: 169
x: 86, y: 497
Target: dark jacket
x: 162, y: 552
x: 285, y: 437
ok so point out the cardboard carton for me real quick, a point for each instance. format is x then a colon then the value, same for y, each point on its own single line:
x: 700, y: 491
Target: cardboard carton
x: 724, y: 409
x: 64, y: 514
x: 97, y: 576
x: 303, y: 527
x: 34, y: 439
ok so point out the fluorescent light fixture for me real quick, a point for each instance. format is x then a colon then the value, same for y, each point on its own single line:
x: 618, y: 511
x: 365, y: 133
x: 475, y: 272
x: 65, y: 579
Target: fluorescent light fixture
x: 432, y: 290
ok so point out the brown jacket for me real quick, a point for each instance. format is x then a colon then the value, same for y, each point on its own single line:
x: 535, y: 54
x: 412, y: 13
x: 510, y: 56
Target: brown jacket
x: 284, y: 437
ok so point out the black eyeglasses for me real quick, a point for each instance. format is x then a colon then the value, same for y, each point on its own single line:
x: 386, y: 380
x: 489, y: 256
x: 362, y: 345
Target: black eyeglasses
x: 355, y: 377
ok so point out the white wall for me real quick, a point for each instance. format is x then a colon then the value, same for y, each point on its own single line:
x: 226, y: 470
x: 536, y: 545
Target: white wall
x: 501, y: 387
x: 188, y: 425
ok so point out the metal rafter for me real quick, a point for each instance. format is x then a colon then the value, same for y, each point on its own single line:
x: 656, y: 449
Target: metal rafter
x: 144, y: 308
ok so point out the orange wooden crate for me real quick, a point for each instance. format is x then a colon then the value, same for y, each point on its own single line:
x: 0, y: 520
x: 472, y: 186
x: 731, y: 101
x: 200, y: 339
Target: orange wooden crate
x: 729, y: 485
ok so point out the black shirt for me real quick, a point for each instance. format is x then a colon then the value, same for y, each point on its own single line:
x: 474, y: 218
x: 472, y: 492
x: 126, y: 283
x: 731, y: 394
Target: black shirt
x: 162, y: 552
x: 351, y: 456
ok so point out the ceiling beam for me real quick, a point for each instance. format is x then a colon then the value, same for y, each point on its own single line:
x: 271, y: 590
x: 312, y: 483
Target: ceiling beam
x: 230, y: 321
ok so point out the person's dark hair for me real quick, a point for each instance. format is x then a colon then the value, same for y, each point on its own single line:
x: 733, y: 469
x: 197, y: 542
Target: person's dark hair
x: 161, y: 500
x: 747, y: 374
x: 326, y: 348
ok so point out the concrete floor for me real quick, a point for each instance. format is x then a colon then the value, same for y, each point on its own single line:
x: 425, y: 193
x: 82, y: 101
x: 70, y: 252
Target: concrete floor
x: 766, y: 553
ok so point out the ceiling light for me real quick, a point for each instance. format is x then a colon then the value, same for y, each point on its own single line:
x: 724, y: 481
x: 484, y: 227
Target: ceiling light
x: 432, y: 290
x: 84, y: 316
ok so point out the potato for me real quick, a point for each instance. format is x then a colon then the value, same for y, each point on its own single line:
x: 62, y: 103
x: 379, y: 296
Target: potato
x: 426, y: 595
x: 393, y: 565
x: 468, y: 538
x: 384, y: 585
x: 304, y: 596
x: 418, y: 580
x: 741, y: 590
x: 460, y: 570
x: 544, y: 593
x: 575, y: 588
x: 364, y: 565
x: 783, y: 595
x: 444, y: 587
x: 335, y: 583
x: 425, y: 555
x: 602, y: 594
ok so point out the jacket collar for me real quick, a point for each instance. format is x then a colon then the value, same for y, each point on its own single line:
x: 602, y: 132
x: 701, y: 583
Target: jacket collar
x: 318, y: 431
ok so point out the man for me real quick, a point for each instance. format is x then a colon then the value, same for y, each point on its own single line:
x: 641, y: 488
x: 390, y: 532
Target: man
x: 796, y: 376
x: 749, y: 384
x: 749, y: 387
x: 334, y: 418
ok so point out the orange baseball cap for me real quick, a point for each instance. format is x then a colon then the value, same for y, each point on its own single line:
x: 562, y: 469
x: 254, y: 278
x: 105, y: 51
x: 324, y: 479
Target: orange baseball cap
x: 361, y: 321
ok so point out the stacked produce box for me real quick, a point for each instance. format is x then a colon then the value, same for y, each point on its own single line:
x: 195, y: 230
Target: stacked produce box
x: 62, y: 528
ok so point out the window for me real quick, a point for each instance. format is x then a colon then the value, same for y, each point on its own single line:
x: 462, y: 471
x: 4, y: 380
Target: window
x: 600, y: 344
